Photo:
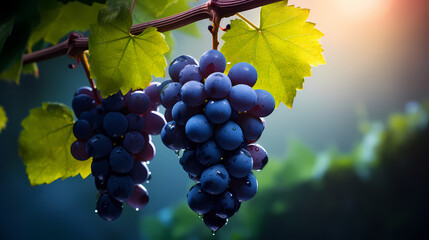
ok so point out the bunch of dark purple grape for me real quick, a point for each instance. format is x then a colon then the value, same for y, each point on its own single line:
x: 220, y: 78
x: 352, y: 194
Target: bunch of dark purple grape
x: 117, y: 135
x: 214, y: 120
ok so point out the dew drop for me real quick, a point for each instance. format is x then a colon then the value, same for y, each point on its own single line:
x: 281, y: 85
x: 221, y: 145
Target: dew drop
x: 96, y: 211
x: 137, y: 209
x: 248, y: 183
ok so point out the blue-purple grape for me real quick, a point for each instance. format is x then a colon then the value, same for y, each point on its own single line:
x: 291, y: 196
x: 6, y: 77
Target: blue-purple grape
x: 243, y: 73
x: 214, y: 222
x: 78, y: 150
x: 218, y: 111
x: 198, y: 129
x: 190, y: 163
x: 120, y: 187
x: 154, y: 122
x: 229, y: 136
x: 133, y: 142
x: 178, y: 64
x: 152, y: 91
x: 259, y: 156
x: 215, y: 179
x: 135, y: 122
x: 209, y: 153
x: 251, y: 126
x: 217, y: 85
x: 140, y: 197
x: 114, y: 103
x: 100, y: 168
x: 198, y: 200
x: 98, y: 146
x: 226, y: 205
x: 82, y: 103
x: 138, y: 102
x: 212, y: 61
x: 108, y: 208
x: 245, y: 188
x: 190, y: 73
x: 173, y: 136
x: 239, y: 163
x: 120, y: 160
x: 139, y: 172
x: 193, y: 93
x: 182, y: 112
x: 82, y: 130
x: 115, y: 124
x: 265, y: 104
x: 242, y: 97
x: 170, y: 95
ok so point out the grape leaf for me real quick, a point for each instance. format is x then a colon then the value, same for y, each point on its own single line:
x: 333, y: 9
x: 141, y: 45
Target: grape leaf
x: 13, y: 73
x: 154, y: 8
x: 3, y: 118
x: 120, y: 60
x: 147, y: 10
x: 44, y: 145
x: 5, y: 29
x: 281, y: 49
x: 58, y: 19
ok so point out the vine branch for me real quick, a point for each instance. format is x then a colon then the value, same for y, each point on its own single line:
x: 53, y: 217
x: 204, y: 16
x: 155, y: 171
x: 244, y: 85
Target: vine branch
x: 213, y: 9
x: 85, y: 65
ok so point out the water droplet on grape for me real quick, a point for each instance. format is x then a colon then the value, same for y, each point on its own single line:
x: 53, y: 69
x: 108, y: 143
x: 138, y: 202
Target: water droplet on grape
x: 96, y: 211
x: 248, y: 183
x: 137, y: 209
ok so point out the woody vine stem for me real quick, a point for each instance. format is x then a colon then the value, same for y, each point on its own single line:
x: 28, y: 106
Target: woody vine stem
x: 213, y: 9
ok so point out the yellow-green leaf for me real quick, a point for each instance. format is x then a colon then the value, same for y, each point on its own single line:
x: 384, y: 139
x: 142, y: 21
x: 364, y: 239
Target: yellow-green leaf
x: 3, y: 118
x: 13, y: 73
x: 282, y: 49
x: 120, y: 60
x: 58, y: 19
x: 44, y: 145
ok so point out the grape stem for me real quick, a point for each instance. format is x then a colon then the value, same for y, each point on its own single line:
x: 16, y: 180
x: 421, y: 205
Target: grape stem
x: 215, y: 30
x: 222, y: 8
x: 85, y: 65
x: 133, y: 4
x: 247, y: 21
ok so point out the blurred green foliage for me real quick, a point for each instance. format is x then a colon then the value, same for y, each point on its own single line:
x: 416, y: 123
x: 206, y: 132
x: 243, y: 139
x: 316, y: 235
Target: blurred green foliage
x: 378, y: 190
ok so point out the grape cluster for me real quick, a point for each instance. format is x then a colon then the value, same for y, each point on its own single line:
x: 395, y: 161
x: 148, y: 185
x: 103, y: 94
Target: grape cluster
x: 214, y: 120
x: 117, y: 135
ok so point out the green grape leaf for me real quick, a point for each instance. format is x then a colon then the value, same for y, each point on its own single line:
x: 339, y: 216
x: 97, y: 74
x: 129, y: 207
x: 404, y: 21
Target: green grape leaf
x: 58, y: 19
x: 3, y: 118
x: 44, y: 145
x: 282, y: 49
x: 147, y: 10
x: 120, y: 60
x: 13, y: 73
x: 177, y: 7
x: 155, y: 8
x: 5, y: 30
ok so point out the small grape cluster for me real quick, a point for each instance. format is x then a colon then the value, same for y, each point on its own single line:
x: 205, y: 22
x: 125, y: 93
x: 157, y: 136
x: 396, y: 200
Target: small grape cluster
x: 214, y: 120
x: 117, y: 135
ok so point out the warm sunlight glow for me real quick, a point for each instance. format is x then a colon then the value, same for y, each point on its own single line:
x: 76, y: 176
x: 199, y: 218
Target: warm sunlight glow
x: 363, y: 8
